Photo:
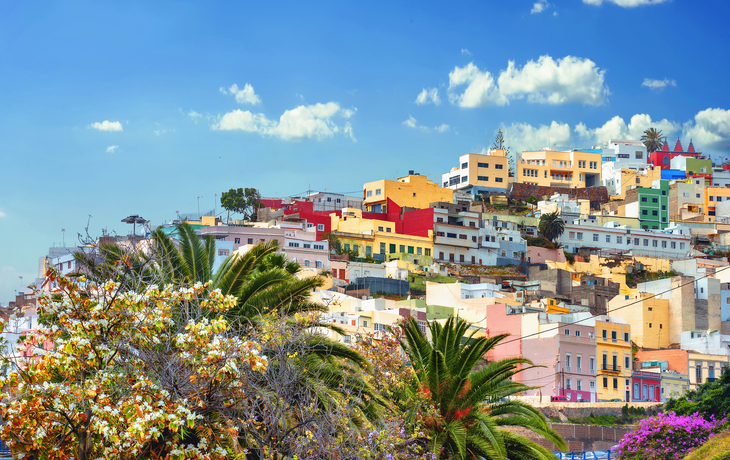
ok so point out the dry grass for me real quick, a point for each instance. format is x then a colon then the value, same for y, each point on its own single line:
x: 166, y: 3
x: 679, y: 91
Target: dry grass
x: 717, y: 448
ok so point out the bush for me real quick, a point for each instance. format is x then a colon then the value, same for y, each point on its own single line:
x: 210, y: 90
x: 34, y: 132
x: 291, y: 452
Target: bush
x: 666, y: 436
x: 569, y: 256
x: 717, y: 448
x: 540, y: 242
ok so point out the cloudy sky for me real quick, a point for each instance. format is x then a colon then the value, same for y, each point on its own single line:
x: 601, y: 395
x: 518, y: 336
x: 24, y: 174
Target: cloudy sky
x: 150, y: 108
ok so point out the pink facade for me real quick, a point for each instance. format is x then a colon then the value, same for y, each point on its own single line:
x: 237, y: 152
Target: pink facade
x: 499, y: 322
x: 646, y: 386
x: 569, y: 360
x: 537, y: 255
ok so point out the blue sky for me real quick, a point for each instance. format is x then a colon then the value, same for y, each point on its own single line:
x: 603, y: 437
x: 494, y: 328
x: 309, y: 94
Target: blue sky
x: 142, y: 107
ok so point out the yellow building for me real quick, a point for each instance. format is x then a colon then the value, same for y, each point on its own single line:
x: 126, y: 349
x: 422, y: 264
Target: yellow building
x: 714, y: 195
x: 631, y: 178
x: 553, y: 168
x: 369, y: 237
x: 702, y: 368
x: 613, y: 352
x: 479, y: 172
x: 647, y: 314
x: 413, y: 191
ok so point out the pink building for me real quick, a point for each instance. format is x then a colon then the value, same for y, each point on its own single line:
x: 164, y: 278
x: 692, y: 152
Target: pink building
x: 568, y: 352
x: 538, y: 255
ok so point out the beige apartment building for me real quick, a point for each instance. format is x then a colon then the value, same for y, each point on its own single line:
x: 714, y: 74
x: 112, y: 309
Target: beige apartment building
x: 479, y: 172
x: 555, y: 168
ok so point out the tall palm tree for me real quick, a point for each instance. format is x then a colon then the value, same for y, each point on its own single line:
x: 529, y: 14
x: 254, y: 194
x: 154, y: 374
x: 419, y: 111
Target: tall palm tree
x: 551, y: 225
x: 471, y: 404
x: 652, y: 139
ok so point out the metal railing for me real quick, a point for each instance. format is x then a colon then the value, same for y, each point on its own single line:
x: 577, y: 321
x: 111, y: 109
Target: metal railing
x: 585, y: 455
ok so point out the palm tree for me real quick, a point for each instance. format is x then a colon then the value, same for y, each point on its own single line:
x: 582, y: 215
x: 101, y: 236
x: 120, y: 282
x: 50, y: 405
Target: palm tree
x: 471, y: 405
x: 653, y: 140
x: 551, y: 225
x: 262, y: 279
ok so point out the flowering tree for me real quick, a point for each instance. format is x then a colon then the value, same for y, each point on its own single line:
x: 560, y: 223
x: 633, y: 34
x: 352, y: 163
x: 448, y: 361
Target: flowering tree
x: 155, y: 374
x: 667, y: 436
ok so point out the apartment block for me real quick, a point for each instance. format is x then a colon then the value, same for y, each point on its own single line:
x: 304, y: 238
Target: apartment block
x: 554, y: 168
x: 613, y: 349
x: 413, y: 191
x: 479, y: 173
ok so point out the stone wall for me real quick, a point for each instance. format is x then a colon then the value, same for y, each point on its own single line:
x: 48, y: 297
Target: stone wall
x: 578, y: 437
x: 596, y: 195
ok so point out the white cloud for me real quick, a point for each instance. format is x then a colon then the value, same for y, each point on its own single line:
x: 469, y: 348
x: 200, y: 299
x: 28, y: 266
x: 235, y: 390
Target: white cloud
x: 304, y: 122
x: 412, y: 123
x: 616, y: 128
x: 2, y: 214
x: 555, y: 13
x: 107, y: 126
x: 539, y: 7
x: 570, y: 79
x: 243, y: 96
x: 545, y: 81
x: 243, y: 120
x: 427, y: 96
x: 195, y: 116
x: 625, y: 3
x: 658, y: 84
x: 111, y: 148
x: 525, y: 137
x: 481, y: 89
x: 465, y: 51
x: 311, y: 121
x: 162, y: 130
x: 710, y: 130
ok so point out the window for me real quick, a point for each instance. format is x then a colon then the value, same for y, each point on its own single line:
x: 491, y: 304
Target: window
x: 461, y: 257
x: 664, y: 244
x: 698, y: 373
x: 567, y: 363
x: 619, y: 239
x: 626, y: 336
x: 655, y: 213
x: 681, y: 245
x: 221, y: 252
x: 364, y: 323
x: 567, y: 332
x: 427, y: 252
x: 320, y: 227
x: 643, y: 199
x: 580, y: 385
x: 674, y: 245
x: 592, y: 364
x: 346, y: 338
x: 379, y: 327
x: 380, y: 229
x: 402, y: 248
x: 711, y: 371
x: 605, y: 334
x: 439, y: 219
x: 498, y: 167
x: 307, y: 246
x: 464, y: 179
x: 639, y: 155
x: 580, y: 236
x: 615, y: 383
x: 655, y: 243
x: 369, y: 193
x: 410, y: 249
x: 654, y: 200
x: 571, y: 235
x: 644, y: 212
x: 319, y: 264
x: 296, y: 245
x: 577, y: 334
x: 464, y: 165
x: 483, y: 178
x: 595, y: 237
x: 605, y: 382
x: 627, y: 364
x: 237, y: 240
x: 483, y: 165
x: 567, y: 384
x: 646, y: 242
x: 307, y: 263
x: 419, y: 251
x: 608, y: 238
x: 498, y: 179
x: 578, y: 363
x: 636, y: 241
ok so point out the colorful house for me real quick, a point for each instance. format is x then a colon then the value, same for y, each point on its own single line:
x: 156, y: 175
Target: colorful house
x: 613, y: 350
x: 662, y: 158
x: 479, y: 173
x: 554, y: 168
x: 647, y: 386
x: 413, y: 191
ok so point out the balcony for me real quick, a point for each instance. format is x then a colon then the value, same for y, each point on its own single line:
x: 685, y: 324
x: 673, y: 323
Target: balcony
x: 445, y: 240
x: 610, y: 369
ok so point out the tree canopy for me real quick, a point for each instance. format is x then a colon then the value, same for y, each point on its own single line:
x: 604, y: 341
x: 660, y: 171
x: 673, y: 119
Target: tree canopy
x: 244, y: 201
x: 551, y: 225
x: 653, y: 140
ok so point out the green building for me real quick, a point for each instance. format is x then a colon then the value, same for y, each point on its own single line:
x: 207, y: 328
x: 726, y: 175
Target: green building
x: 653, y: 205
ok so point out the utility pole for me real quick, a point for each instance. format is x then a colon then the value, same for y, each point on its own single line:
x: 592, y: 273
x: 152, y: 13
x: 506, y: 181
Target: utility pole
x: 199, y: 206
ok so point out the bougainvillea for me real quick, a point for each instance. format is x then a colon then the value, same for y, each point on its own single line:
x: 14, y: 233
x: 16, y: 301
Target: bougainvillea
x: 129, y: 375
x: 666, y: 436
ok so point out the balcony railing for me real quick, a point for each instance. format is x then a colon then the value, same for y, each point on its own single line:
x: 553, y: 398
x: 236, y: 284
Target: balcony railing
x: 607, y: 368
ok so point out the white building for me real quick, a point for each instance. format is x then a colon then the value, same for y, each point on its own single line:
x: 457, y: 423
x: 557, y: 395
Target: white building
x: 620, y: 154
x: 720, y: 177
x: 325, y: 201
x: 674, y: 242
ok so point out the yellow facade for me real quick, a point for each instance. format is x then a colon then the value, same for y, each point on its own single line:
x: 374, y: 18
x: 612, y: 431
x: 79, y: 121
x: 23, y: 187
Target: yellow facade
x: 647, y: 315
x: 630, y: 178
x: 371, y: 236
x: 552, y: 168
x: 714, y: 195
x: 490, y: 170
x: 613, y: 353
x: 411, y: 191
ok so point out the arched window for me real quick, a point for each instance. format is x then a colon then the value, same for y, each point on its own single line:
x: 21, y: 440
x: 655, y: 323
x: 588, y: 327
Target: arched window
x: 306, y: 263
x: 319, y: 264
x: 665, y: 162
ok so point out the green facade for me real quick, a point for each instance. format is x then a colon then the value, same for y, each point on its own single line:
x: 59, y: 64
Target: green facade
x: 653, y: 206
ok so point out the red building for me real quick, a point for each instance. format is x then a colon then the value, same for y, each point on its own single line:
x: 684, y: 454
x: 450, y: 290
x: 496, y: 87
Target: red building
x: 647, y: 386
x: 663, y: 158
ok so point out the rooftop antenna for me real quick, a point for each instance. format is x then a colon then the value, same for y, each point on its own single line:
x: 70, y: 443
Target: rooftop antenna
x: 63, y: 231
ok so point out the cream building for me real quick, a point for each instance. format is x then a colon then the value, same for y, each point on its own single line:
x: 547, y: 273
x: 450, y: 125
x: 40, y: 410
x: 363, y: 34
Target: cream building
x: 555, y: 168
